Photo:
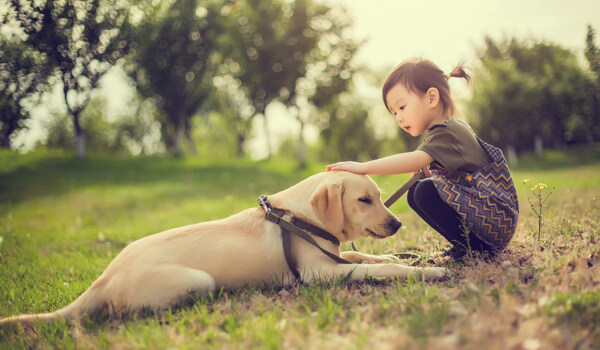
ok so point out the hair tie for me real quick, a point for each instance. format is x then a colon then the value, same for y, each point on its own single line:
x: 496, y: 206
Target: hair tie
x: 448, y: 76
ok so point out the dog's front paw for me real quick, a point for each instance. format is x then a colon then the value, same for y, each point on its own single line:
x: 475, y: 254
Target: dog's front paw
x: 437, y: 273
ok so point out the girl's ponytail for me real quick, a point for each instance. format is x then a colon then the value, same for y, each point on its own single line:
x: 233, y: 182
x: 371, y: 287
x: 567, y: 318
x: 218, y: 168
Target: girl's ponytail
x: 459, y: 72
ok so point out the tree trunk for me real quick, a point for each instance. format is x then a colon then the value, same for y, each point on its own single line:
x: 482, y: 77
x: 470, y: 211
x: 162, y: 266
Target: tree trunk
x: 177, y: 150
x: 79, y: 136
x: 5, y: 140
x: 512, y: 155
x: 267, y: 134
x: 240, y: 141
x: 191, y: 142
x: 589, y: 133
x: 539, y: 145
x: 301, y: 146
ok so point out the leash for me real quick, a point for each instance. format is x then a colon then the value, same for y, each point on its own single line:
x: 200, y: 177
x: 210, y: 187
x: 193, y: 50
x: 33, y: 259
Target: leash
x: 403, y: 189
x: 301, y: 229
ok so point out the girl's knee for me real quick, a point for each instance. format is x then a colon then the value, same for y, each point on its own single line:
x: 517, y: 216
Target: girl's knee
x: 421, y: 194
x: 410, y: 197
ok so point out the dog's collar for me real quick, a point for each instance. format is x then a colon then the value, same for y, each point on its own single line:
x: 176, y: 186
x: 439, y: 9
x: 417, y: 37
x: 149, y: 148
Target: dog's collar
x: 300, y: 228
x: 279, y: 213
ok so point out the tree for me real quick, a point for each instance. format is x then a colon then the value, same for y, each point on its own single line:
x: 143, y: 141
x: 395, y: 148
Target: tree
x: 234, y: 108
x: 23, y: 74
x: 326, y: 61
x: 131, y: 133
x: 592, y: 54
x: 282, y: 49
x: 504, y: 100
x: 174, y: 62
x: 81, y: 39
x: 527, y: 91
x: 347, y: 134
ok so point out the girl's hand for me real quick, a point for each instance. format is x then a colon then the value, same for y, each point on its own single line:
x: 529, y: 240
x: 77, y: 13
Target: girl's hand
x: 353, y: 167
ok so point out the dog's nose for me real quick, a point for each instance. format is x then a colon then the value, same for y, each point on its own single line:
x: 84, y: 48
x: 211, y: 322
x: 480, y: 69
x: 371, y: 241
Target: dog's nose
x: 394, y: 225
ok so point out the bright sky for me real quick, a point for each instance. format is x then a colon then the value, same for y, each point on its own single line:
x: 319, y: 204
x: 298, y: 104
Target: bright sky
x: 444, y: 31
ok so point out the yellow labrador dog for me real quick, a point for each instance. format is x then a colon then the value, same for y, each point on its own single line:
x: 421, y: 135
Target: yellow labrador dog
x: 157, y: 270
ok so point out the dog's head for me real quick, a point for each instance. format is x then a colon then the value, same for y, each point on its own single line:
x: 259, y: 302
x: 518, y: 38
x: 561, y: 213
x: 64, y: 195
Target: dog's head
x: 350, y: 206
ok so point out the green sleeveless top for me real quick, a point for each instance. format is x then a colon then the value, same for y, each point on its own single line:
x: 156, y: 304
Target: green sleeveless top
x: 454, y: 145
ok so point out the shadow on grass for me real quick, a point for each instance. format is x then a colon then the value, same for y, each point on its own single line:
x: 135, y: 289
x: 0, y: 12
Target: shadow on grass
x: 26, y: 177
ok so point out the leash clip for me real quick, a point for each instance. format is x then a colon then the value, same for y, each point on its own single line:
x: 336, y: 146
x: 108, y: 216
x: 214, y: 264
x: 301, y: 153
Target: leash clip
x: 262, y: 201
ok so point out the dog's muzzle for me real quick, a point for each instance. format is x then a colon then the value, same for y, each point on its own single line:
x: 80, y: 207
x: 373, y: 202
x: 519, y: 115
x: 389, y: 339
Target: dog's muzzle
x: 392, y: 226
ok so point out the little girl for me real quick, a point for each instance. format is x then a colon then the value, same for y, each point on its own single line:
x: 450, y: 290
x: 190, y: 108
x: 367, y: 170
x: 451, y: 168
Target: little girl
x: 468, y: 196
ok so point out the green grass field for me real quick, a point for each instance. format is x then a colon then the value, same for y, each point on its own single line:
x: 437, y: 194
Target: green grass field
x: 63, y: 220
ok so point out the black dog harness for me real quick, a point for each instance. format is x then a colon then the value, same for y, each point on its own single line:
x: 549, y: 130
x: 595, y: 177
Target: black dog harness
x: 301, y: 229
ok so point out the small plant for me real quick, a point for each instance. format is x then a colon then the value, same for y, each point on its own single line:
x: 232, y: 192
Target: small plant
x: 466, y: 229
x: 537, y: 205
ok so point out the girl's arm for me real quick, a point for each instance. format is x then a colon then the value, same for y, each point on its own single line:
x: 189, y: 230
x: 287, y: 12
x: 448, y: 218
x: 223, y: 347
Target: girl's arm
x: 396, y: 164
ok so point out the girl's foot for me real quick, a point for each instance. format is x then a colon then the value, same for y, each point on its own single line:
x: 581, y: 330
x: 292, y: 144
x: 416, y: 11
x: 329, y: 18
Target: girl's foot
x: 455, y: 253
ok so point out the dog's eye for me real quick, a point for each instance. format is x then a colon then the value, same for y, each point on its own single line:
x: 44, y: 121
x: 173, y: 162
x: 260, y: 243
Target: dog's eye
x: 366, y: 200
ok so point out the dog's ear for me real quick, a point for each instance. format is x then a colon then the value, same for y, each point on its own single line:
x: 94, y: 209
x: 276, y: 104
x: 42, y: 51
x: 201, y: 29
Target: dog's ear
x: 326, y: 201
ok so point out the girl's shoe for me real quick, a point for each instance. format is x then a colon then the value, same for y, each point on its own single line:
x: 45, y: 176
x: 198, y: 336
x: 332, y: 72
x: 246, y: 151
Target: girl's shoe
x: 455, y: 253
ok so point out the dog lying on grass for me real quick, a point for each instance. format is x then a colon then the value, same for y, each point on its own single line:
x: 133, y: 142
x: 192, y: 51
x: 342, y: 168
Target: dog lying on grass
x: 246, y: 248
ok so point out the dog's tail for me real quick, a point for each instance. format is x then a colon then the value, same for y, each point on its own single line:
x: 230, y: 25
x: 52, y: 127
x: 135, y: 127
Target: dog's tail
x: 88, y: 302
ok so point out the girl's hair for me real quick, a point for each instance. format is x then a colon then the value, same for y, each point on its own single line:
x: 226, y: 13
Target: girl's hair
x: 419, y: 75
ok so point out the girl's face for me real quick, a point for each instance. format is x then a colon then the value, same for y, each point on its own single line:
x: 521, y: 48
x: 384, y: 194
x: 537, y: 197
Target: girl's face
x: 413, y: 113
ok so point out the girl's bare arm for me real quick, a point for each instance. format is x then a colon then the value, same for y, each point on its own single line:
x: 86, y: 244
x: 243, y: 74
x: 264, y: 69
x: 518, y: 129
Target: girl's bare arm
x: 396, y: 164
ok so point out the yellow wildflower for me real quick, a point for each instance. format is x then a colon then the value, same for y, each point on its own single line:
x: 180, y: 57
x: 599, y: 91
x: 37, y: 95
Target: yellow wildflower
x: 526, y: 181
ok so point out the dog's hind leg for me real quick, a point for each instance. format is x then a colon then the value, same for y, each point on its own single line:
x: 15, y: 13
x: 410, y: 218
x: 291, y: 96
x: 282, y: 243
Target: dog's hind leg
x: 162, y: 286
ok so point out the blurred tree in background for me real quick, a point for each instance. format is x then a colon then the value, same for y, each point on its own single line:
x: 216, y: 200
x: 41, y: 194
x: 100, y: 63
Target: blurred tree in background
x: 347, y: 133
x: 100, y: 135
x: 81, y: 39
x: 173, y: 61
x: 215, y: 65
x: 327, y: 64
x: 134, y: 133
x: 260, y: 48
x: 301, y: 47
x: 528, y: 95
x: 23, y: 74
x: 592, y: 54
x: 227, y: 114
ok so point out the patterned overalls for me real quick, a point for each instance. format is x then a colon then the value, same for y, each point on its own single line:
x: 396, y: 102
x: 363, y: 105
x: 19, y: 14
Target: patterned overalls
x: 485, y: 199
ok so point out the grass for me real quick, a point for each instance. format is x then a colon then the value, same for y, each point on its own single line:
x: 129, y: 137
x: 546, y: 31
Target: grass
x: 63, y: 220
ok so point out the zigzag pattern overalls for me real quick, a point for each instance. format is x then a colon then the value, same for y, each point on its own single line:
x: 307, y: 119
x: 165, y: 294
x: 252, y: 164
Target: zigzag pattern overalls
x: 485, y: 199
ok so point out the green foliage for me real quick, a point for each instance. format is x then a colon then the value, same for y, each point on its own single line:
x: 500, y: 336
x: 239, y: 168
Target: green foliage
x: 530, y: 94
x: 23, y: 74
x: 133, y: 134
x: 173, y: 61
x: 227, y: 115
x: 81, y: 39
x: 215, y: 138
x: 301, y: 56
x: 592, y: 54
x: 348, y: 134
